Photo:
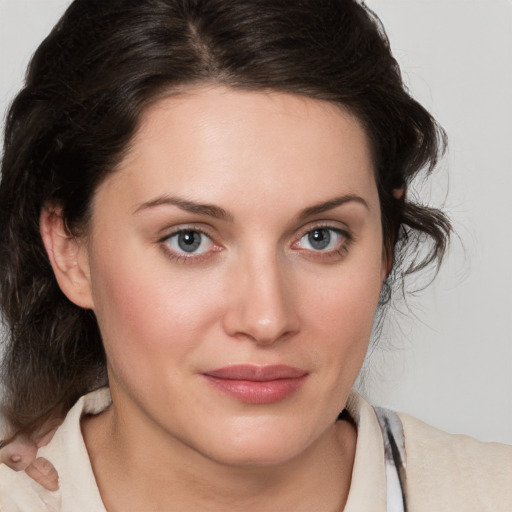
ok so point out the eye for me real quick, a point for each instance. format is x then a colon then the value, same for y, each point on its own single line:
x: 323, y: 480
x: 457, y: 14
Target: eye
x: 189, y: 242
x: 322, y: 239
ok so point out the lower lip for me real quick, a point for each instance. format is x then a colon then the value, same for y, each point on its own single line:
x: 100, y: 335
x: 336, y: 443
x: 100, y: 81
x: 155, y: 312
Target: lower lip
x: 256, y: 392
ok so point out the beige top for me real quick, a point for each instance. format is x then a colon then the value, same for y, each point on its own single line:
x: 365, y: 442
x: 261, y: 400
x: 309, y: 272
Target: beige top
x: 444, y: 472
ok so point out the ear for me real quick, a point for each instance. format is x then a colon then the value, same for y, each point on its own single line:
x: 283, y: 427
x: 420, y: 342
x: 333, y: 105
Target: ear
x: 68, y: 257
x: 387, y: 253
x: 399, y: 193
x: 387, y: 263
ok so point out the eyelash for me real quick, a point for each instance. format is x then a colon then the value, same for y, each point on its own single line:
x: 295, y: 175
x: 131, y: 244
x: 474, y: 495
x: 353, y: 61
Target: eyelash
x: 334, y: 254
x: 192, y: 258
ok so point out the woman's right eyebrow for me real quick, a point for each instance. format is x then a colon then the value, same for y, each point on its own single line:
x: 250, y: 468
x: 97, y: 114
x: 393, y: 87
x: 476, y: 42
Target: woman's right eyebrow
x: 209, y: 210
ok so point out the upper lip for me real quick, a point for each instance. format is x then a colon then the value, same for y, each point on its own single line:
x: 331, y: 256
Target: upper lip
x: 257, y: 373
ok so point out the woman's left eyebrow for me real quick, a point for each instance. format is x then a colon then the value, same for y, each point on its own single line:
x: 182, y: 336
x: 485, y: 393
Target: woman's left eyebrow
x: 331, y: 204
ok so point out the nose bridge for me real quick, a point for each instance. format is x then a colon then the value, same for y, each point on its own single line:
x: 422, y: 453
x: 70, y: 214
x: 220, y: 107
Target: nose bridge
x: 263, y: 309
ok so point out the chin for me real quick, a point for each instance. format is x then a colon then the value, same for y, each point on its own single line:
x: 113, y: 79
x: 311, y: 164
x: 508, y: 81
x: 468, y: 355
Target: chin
x: 259, y: 445
x: 256, y: 455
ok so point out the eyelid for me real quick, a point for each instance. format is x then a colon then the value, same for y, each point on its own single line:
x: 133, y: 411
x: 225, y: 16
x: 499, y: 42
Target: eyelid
x: 183, y: 257
x: 169, y: 232
x: 331, y: 254
x: 344, y: 230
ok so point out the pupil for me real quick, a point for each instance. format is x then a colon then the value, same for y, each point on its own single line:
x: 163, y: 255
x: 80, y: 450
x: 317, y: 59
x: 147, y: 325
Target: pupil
x: 319, y: 238
x: 189, y: 241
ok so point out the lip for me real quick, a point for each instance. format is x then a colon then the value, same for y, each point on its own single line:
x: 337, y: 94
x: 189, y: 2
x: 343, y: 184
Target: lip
x: 254, y: 384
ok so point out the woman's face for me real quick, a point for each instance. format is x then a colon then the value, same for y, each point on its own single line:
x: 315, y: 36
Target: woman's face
x: 235, y: 262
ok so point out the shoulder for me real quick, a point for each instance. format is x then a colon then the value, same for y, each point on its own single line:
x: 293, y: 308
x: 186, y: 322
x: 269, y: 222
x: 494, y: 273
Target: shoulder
x: 455, y: 472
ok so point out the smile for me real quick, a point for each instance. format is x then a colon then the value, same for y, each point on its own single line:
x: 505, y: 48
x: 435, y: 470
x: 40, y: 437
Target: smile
x: 257, y: 384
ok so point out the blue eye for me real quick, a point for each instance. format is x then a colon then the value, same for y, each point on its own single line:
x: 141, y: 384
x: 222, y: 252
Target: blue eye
x: 322, y: 239
x: 189, y: 241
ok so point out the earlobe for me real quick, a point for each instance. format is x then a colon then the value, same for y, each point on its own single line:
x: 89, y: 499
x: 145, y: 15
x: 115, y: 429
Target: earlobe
x: 68, y: 257
x: 399, y: 193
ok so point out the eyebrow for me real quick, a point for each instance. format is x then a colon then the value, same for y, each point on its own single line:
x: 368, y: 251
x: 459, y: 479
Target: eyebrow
x: 217, y: 212
x: 209, y: 210
x: 331, y: 204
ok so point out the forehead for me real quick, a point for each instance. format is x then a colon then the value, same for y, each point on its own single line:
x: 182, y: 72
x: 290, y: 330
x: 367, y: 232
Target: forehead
x: 216, y: 143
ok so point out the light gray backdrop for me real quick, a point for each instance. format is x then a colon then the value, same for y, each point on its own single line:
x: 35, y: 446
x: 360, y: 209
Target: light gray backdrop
x: 447, y: 356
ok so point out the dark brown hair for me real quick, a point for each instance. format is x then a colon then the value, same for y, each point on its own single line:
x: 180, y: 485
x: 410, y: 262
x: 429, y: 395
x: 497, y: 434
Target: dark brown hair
x: 86, y: 87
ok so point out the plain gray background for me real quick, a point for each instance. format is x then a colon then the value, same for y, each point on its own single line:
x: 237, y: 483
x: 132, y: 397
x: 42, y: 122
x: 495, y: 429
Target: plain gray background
x: 446, y: 357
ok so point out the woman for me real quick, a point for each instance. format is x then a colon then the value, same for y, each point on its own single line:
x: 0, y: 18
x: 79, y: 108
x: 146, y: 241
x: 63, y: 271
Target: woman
x: 202, y: 206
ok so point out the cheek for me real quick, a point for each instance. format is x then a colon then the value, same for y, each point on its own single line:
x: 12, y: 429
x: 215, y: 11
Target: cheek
x: 144, y: 311
x: 342, y: 312
x: 348, y: 298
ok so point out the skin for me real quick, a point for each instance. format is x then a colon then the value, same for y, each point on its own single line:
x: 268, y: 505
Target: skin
x: 255, y: 292
x: 21, y: 455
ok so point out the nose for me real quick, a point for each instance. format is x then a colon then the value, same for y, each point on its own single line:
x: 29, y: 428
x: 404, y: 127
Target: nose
x: 262, y: 304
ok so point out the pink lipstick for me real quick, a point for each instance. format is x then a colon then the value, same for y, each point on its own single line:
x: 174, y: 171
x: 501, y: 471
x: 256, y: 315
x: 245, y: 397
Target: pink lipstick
x: 257, y: 384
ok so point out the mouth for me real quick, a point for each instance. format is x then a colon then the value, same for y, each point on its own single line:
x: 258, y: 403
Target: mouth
x: 253, y: 384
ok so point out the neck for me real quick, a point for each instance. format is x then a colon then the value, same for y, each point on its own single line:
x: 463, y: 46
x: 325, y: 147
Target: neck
x: 136, y: 470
